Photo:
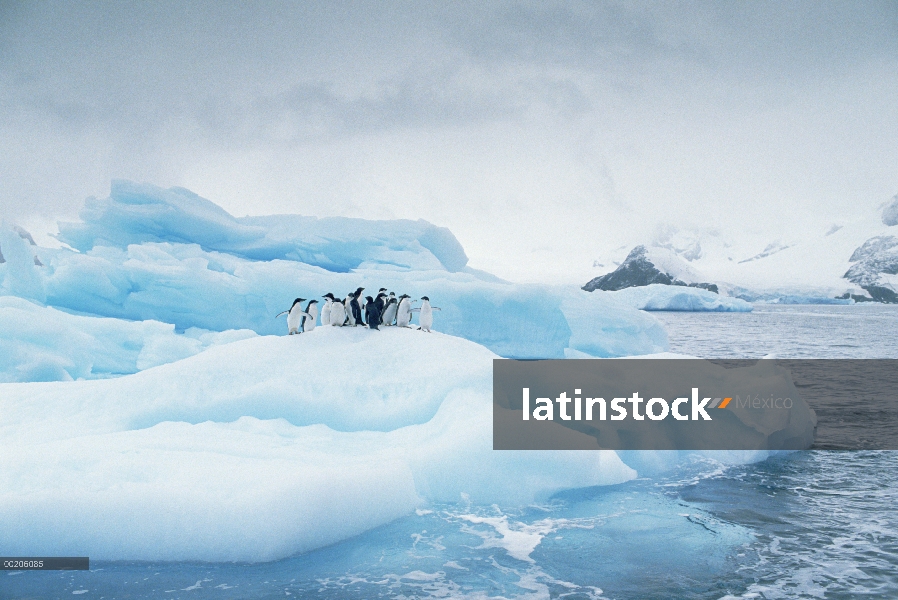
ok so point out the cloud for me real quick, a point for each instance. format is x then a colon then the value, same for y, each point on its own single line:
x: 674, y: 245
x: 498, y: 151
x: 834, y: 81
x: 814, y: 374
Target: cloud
x: 586, y: 117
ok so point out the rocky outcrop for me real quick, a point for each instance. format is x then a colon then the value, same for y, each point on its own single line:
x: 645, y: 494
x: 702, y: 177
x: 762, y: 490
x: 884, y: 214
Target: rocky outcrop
x: 877, y: 257
x: 637, y: 270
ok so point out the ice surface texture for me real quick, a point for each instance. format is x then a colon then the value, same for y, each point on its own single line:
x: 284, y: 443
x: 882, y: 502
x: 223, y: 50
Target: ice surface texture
x: 263, y: 448
x: 139, y: 213
x: 675, y: 297
x: 269, y: 446
x: 44, y: 344
x: 173, y: 257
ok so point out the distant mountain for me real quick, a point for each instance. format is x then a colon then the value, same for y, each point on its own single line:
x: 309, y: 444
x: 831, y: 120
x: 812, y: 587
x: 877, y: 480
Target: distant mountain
x: 855, y: 259
x: 875, y: 268
x: 645, y: 266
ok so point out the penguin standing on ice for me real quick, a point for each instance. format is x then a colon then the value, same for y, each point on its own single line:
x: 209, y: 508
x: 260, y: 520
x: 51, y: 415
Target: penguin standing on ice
x: 311, y: 317
x: 425, y: 318
x: 326, y: 309
x: 404, y: 311
x: 389, y: 312
x: 372, y: 313
x: 338, y: 313
x: 347, y: 310
x: 294, y: 316
x: 356, y: 309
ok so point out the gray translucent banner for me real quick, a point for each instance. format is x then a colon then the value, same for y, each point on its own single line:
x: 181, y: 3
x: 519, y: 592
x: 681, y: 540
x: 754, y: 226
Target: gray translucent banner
x: 44, y: 563
x: 691, y: 404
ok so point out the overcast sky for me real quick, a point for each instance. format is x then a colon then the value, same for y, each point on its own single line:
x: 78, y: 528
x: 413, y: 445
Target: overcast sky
x: 542, y: 134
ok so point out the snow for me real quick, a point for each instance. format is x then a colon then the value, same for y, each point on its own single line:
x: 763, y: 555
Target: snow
x: 177, y: 427
x: 668, y: 262
x: 803, y: 266
x: 263, y: 448
x: 274, y: 445
x: 676, y: 297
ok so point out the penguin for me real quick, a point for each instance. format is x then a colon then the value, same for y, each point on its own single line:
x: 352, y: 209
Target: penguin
x: 326, y: 309
x: 311, y: 317
x: 355, y: 308
x: 295, y: 316
x: 338, y: 313
x: 347, y: 308
x: 379, y: 301
x: 404, y: 311
x: 425, y: 318
x: 350, y: 313
x: 389, y: 315
x: 372, y: 313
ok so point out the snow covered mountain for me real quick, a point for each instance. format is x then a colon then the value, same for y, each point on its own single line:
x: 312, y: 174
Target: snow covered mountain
x: 875, y: 267
x: 852, y: 259
x: 646, y: 266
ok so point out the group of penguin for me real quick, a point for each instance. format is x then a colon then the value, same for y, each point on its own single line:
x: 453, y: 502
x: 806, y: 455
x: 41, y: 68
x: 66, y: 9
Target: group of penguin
x: 386, y: 309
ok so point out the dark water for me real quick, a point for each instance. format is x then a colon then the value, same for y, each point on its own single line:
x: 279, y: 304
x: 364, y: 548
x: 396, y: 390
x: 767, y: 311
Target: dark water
x: 815, y: 524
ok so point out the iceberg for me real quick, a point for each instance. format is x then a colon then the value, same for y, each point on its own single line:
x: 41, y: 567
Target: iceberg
x: 274, y: 445
x: 45, y: 344
x: 675, y: 297
x: 148, y: 254
x: 190, y: 287
x: 263, y: 448
x: 142, y: 213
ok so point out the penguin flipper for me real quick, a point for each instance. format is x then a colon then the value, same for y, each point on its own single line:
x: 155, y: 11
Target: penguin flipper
x: 435, y: 307
x: 281, y: 313
x: 415, y: 310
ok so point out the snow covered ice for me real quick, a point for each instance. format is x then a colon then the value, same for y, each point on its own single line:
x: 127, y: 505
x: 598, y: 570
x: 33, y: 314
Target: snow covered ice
x: 260, y: 449
x: 139, y: 260
x: 140, y: 213
x: 677, y: 297
x: 265, y: 447
x: 153, y: 407
x: 45, y: 344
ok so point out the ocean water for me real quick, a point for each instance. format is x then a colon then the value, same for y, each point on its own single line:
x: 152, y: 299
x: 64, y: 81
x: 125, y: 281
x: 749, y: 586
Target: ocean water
x: 815, y: 524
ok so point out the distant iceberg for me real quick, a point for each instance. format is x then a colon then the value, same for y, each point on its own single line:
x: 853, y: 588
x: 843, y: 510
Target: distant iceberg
x: 677, y: 298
